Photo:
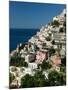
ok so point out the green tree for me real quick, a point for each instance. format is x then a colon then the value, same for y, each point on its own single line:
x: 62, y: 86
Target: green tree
x: 18, y: 61
x: 55, y: 23
x: 56, y: 78
x: 63, y: 69
x: 45, y: 65
x: 61, y: 30
x: 27, y: 81
x: 39, y: 79
x: 38, y: 74
x: 39, y: 82
x: 25, y: 64
x: 51, y: 51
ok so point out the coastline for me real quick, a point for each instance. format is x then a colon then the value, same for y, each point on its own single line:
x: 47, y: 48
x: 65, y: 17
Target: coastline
x: 44, y: 53
x: 18, y: 36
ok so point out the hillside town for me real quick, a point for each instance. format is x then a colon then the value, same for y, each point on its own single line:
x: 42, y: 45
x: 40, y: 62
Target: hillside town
x: 44, y: 53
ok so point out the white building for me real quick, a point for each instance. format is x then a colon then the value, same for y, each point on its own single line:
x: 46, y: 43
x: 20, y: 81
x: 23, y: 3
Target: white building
x: 32, y: 65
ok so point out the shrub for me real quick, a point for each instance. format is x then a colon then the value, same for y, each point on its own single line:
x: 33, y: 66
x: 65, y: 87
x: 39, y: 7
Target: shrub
x: 48, y: 38
x: 14, y: 69
x: 11, y: 78
x: 38, y: 80
x: 56, y: 23
x: 53, y: 42
x: 51, y: 51
x: 61, y: 30
x: 18, y: 61
x: 45, y: 65
x: 27, y: 81
x: 63, y: 69
x: 56, y: 78
x: 63, y: 61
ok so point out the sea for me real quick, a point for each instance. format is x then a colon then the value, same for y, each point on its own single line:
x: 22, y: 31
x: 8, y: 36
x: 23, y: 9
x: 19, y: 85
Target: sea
x: 18, y: 36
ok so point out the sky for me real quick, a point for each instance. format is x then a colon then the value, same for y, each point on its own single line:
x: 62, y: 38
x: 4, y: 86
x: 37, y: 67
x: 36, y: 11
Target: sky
x: 32, y: 15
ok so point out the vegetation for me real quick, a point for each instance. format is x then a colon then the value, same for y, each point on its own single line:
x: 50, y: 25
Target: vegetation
x: 21, y: 47
x: 61, y: 30
x: 53, y: 26
x: 55, y: 23
x: 36, y: 48
x: 45, y: 74
x: 64, y: 24
x: 51, y: 51
x: 18, y: 61
x: 48, y: 38
x: 11, y: 78
x: 56, y: 78
x: 53, y: 42
x: 38, y: 80
x: 27, y: 81
x: 64, y: 15
x: 14, y: 69
x: 45, y: 65
x: 63, y: 61
x: 63, y: 69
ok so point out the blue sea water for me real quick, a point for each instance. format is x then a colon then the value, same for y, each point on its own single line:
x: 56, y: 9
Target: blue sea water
x: 18, y: 36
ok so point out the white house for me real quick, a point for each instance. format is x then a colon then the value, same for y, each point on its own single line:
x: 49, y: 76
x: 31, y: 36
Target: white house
x: 32, y: 65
